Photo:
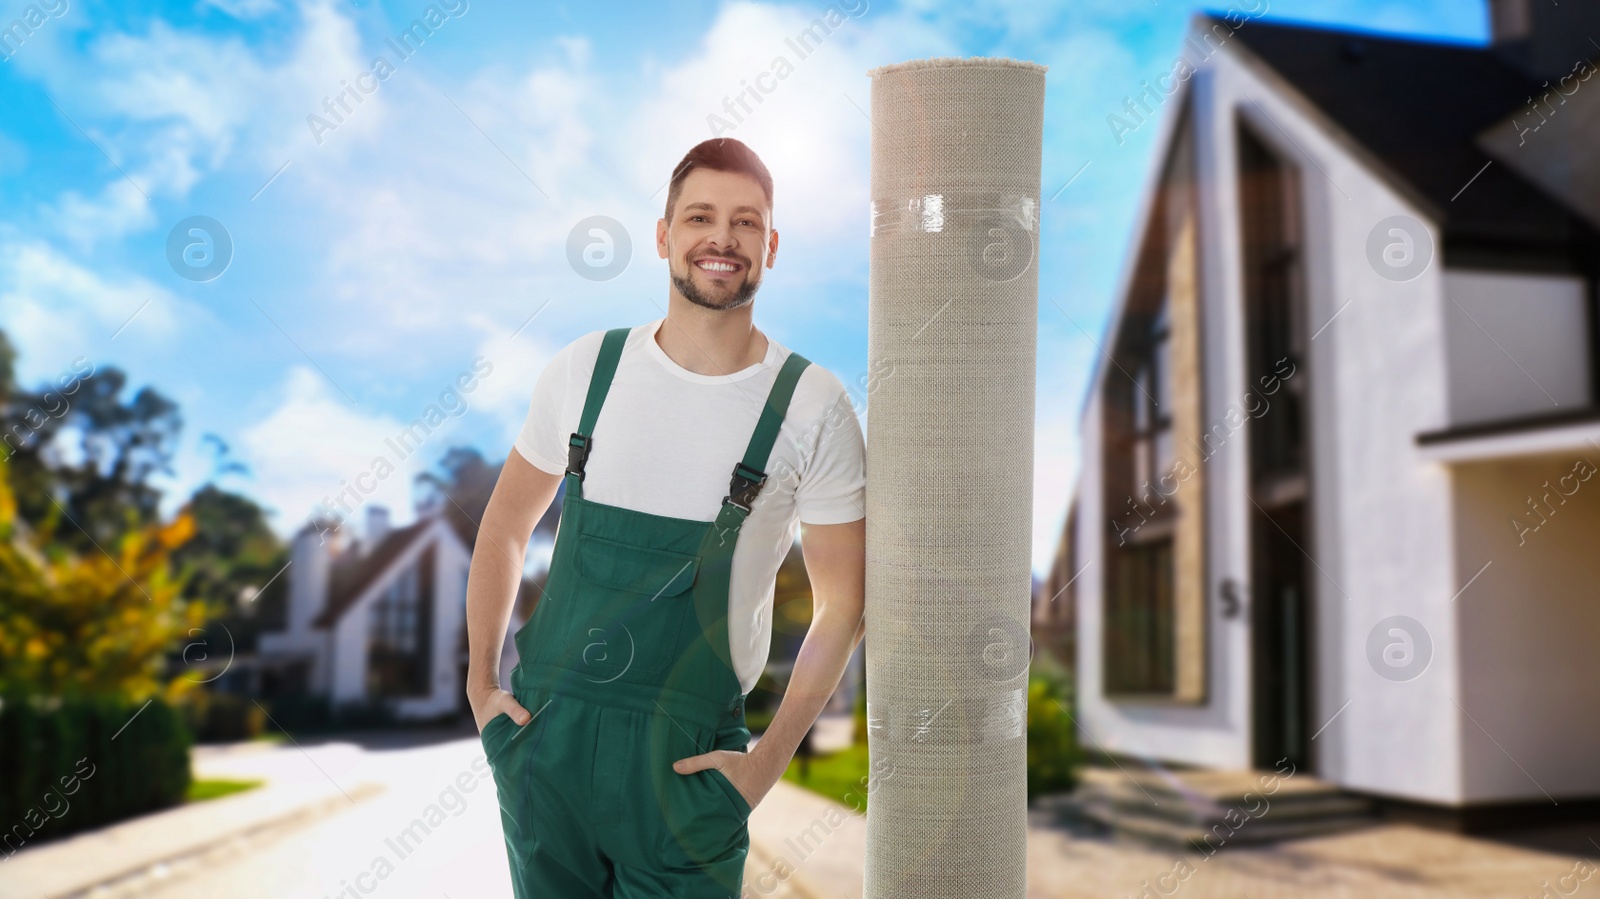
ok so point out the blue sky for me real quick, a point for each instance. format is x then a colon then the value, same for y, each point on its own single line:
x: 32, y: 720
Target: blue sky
x: 376, y: 257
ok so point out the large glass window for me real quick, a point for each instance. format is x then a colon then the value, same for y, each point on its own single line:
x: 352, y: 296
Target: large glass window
x: 1270, y: 226
x: 1139, y: 648
x: 1139, y: 634
x: 1151, y: 436
x: 396, y: 650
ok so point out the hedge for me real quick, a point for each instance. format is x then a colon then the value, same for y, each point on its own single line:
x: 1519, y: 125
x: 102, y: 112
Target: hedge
x: 1054, y: 756
x: 222, y: 717
x: 75, y: 764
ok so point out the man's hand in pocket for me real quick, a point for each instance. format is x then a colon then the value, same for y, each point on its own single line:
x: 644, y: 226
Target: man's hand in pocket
x: 487, y: 705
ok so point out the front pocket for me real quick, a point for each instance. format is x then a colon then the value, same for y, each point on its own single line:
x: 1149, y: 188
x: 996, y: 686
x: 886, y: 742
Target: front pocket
x: 622, y: 610
x: 509, y: 751
x: 493, y: 738
x: 705, y: 820
x: 740, y: 804
x: 650, y: 572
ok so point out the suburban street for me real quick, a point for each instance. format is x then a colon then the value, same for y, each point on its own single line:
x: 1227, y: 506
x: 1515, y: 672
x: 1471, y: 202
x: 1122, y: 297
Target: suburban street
x: 360, y: 798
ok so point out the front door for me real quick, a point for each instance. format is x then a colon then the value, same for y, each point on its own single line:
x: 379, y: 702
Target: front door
x: 1280, y: 625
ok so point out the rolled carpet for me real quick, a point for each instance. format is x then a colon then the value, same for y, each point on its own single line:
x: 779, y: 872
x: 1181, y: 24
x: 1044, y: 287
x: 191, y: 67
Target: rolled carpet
x: 953, y: 312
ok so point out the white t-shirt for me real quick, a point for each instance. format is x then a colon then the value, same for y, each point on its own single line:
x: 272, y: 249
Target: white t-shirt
x: 666, y: 442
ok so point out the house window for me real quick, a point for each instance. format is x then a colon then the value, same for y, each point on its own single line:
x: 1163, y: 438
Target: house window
x: 1150, y: 439
x: 1139, y: 637
x: 397, y: 638
x: 1282, y: 601
x: 1153, y: 639
x: 1139, y: 656
x: 1272, y: 254
x: 1139, y: 646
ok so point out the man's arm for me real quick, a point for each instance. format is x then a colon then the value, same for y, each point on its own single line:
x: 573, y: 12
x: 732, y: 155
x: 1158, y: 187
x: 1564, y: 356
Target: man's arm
x: 521, y: 495
x: 836, y: 563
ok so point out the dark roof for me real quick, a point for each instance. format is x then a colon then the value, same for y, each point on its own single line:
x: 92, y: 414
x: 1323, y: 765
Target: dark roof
x: 352, y: 572
x: 1418, y: 107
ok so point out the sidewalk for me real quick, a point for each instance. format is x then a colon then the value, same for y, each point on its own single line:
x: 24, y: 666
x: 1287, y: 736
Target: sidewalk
x: 804, y: 846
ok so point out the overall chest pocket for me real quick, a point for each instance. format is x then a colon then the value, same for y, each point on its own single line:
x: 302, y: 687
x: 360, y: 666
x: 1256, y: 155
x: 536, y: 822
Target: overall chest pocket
x: 625, y: 612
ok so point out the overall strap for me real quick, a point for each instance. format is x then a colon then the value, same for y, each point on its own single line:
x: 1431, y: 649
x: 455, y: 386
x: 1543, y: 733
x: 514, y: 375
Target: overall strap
x: 581, y: 441
x: 749, y: 473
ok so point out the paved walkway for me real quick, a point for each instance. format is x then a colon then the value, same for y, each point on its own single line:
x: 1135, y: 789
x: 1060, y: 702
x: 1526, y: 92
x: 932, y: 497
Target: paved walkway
x: 809, y: 846
x: 1384, y: 862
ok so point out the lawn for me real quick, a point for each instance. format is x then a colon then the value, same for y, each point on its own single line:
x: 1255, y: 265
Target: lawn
x: 201, y: 790
x: 841, y: 776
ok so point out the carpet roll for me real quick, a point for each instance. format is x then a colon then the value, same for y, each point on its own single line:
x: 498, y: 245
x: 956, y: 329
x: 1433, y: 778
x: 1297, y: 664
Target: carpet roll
x: 953, y: 314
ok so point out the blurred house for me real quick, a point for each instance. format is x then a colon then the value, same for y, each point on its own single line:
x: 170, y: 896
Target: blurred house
x: 379, y: 622
x: 1336, y: 508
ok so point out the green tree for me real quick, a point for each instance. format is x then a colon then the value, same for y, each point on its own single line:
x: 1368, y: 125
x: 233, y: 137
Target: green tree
x: 96, y: 623
x: 78, y: 450
x: 232, y: 554
x: 461, y: 485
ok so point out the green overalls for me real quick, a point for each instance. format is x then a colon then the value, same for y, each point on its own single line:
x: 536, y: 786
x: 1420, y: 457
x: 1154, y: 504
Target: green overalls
x: 625, y: 665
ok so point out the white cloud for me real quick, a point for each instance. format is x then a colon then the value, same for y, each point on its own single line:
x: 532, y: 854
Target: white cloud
x: 803, y: 125
x: 408, y: 208
x: 57, y: 309
x: 186, y: 105
x: 121, y: 208
x: 518, y: 360
x: 312, y: 446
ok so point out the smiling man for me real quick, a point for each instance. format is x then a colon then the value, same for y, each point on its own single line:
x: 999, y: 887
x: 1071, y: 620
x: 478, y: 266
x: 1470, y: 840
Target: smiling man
x: 620, y: 749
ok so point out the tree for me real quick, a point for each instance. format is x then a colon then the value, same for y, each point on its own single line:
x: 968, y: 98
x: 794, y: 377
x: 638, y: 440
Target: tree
x: 233, y: 554
x: 96, y: 623
x: 461, y: 489
x: 78, y: 451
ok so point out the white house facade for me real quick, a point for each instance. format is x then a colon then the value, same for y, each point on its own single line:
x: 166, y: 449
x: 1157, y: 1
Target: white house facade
x: 1336, y: 503
x: 381, y: 622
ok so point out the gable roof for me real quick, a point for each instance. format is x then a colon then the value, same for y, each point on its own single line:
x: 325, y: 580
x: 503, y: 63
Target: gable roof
x: 1416, y: 108
x: 352, y: 573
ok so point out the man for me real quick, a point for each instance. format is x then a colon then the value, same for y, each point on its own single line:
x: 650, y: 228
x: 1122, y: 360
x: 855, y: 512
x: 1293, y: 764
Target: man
x: 619, y: 749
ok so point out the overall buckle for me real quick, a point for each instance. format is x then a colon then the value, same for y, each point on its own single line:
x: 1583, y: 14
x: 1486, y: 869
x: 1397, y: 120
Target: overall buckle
x: 578, y: 453
x: 743, y: 488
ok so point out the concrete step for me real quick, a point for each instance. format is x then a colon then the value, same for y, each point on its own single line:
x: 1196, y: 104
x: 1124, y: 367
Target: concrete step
x: 1249, y: 831
x: 1207, y: 810
x: 1204, y: 811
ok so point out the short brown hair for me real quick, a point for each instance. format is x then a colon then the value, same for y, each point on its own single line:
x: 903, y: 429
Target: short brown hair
x: 720, y: 154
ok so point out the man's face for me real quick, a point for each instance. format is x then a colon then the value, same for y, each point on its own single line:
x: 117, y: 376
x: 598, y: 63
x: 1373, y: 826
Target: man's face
x: 718, y: 239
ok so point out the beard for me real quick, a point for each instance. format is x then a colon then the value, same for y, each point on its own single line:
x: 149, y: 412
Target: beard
x: 740, y: 296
